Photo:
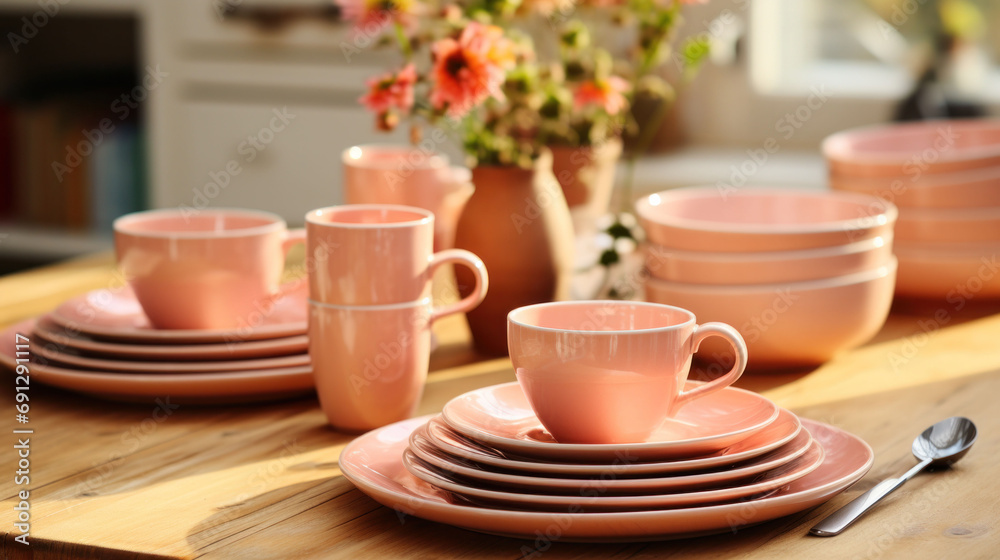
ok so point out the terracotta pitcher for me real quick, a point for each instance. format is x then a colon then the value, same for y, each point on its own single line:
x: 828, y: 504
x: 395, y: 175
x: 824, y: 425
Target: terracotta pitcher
x: 518, y: 223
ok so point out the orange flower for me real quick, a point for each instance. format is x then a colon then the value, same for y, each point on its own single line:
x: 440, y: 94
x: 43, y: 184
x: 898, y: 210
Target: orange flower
x: 471, y: 69
x: 607, y: 94
x: 370, y: 17
x: 391, y: 90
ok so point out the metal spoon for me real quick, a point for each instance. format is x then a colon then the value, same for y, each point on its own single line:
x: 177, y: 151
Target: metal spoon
x: 940, y: 445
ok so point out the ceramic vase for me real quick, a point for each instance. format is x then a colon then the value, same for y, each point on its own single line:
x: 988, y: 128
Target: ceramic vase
x: 518, y: 223
x: 586, y: 175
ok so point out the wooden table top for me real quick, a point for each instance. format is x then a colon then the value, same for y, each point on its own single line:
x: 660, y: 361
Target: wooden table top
x: 262, y: 481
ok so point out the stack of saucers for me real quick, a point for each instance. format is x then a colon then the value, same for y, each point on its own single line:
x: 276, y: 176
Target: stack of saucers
x: 801, y: 274
x: 725, y: 461
x: 102, y: 343
x: 943, y: 176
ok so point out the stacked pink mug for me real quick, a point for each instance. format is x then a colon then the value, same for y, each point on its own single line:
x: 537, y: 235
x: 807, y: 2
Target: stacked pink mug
x: 370, y: 309
x: 943, y: 175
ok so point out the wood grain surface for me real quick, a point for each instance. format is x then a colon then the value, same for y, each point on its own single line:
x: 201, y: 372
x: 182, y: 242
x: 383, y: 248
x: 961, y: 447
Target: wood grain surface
x: 149, y: 480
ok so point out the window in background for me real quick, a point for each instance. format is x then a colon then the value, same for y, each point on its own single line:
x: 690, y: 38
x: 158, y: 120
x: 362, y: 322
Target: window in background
x: 949, y: 49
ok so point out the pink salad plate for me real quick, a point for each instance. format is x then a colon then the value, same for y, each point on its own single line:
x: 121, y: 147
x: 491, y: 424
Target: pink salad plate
x: 184, y: 388
x: 914, y: 149
x: 761, y: 219
x: 608, y: 482
x: 53, y: 355
x: 593, y: 498
x: 115, y: 314
x: 780, y: 432
x: 57, y: 336
x: 374, y: 463
x: 501, y: 417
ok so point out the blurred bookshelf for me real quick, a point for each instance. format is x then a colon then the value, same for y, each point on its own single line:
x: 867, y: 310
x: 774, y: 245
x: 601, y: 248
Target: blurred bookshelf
x: 72, y: 135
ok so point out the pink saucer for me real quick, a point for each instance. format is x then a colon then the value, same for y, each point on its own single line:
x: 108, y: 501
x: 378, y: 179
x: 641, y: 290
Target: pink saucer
x: 501, y: 417
x: 116, y: 315
x: 608, y: 482
x: 373, y: 462
x: 50, y: 354
x: 61, y: 337
x: 207, y: 388
x: 783, y: 430
x: 593, y: 498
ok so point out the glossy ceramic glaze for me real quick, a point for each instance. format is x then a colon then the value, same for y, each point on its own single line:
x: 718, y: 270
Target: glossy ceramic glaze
x: 695, y: 267
x: 373, y: 462
x: 776, y: 434
x: 205, y: 269
x: 115, y: 314
x: 914, y: 149
x: 181, y: 388
x: 760, y: 219
x: 954, y: 272
x: 967, y: 189
x: 231, y: 349
x: 370, y: 362
x: 609, y: 482
x: 593, y: 500
x: 501, y: 416
x: 409, y: 176
x: 949, y: 225
x: 376, y: 254
x: 603, y: 372
x: 790, y: 324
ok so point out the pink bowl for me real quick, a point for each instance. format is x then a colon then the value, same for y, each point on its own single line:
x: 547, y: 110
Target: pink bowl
x: 695, y: 267
x: 914, y: 149
x: 790, y: 324
x: 756, y: 219
x: 956, y: 272
x: 966, y: 189
x: 948, y: 225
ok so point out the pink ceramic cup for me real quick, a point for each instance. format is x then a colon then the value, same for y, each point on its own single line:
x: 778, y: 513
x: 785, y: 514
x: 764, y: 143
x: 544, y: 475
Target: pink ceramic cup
x: 410, y: 176
x: 370, y: 362
x: 213, y: 269
x: 610, y: 371
x: 376, y: 254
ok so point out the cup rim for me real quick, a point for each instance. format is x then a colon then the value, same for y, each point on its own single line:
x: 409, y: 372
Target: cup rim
x: 347, y: 159
x: 121, y: 224
x: 312, y: 217
x: 423, y: 302
x: 511, y: 317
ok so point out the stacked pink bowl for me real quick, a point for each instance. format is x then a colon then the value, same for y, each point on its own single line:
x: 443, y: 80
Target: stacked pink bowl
x: 802, y: 275
x: 945, y: 178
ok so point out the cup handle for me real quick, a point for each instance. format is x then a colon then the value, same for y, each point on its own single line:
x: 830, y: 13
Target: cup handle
x: 475, y: 264
x: 733, y: 336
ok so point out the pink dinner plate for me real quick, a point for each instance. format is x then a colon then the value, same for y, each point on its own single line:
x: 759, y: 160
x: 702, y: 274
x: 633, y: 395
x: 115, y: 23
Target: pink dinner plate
x: 785, y: 428
x: 500, y: 416
x: 115, y: 314
x: 54, y: 355
x: 208, y: 388
x: 374, y: 463
x: 62, y: 337
x: 610, y: 481
x: 594, y: 498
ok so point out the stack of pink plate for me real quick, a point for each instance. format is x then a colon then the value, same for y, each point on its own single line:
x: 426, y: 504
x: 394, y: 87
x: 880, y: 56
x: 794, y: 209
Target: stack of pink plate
x: 102, y: 344
x: 801, y: 274
x: 726, y: 461
x: 945, y: 178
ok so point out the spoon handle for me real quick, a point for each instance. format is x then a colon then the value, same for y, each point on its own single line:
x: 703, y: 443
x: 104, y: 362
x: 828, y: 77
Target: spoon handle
x: 836, y: 522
